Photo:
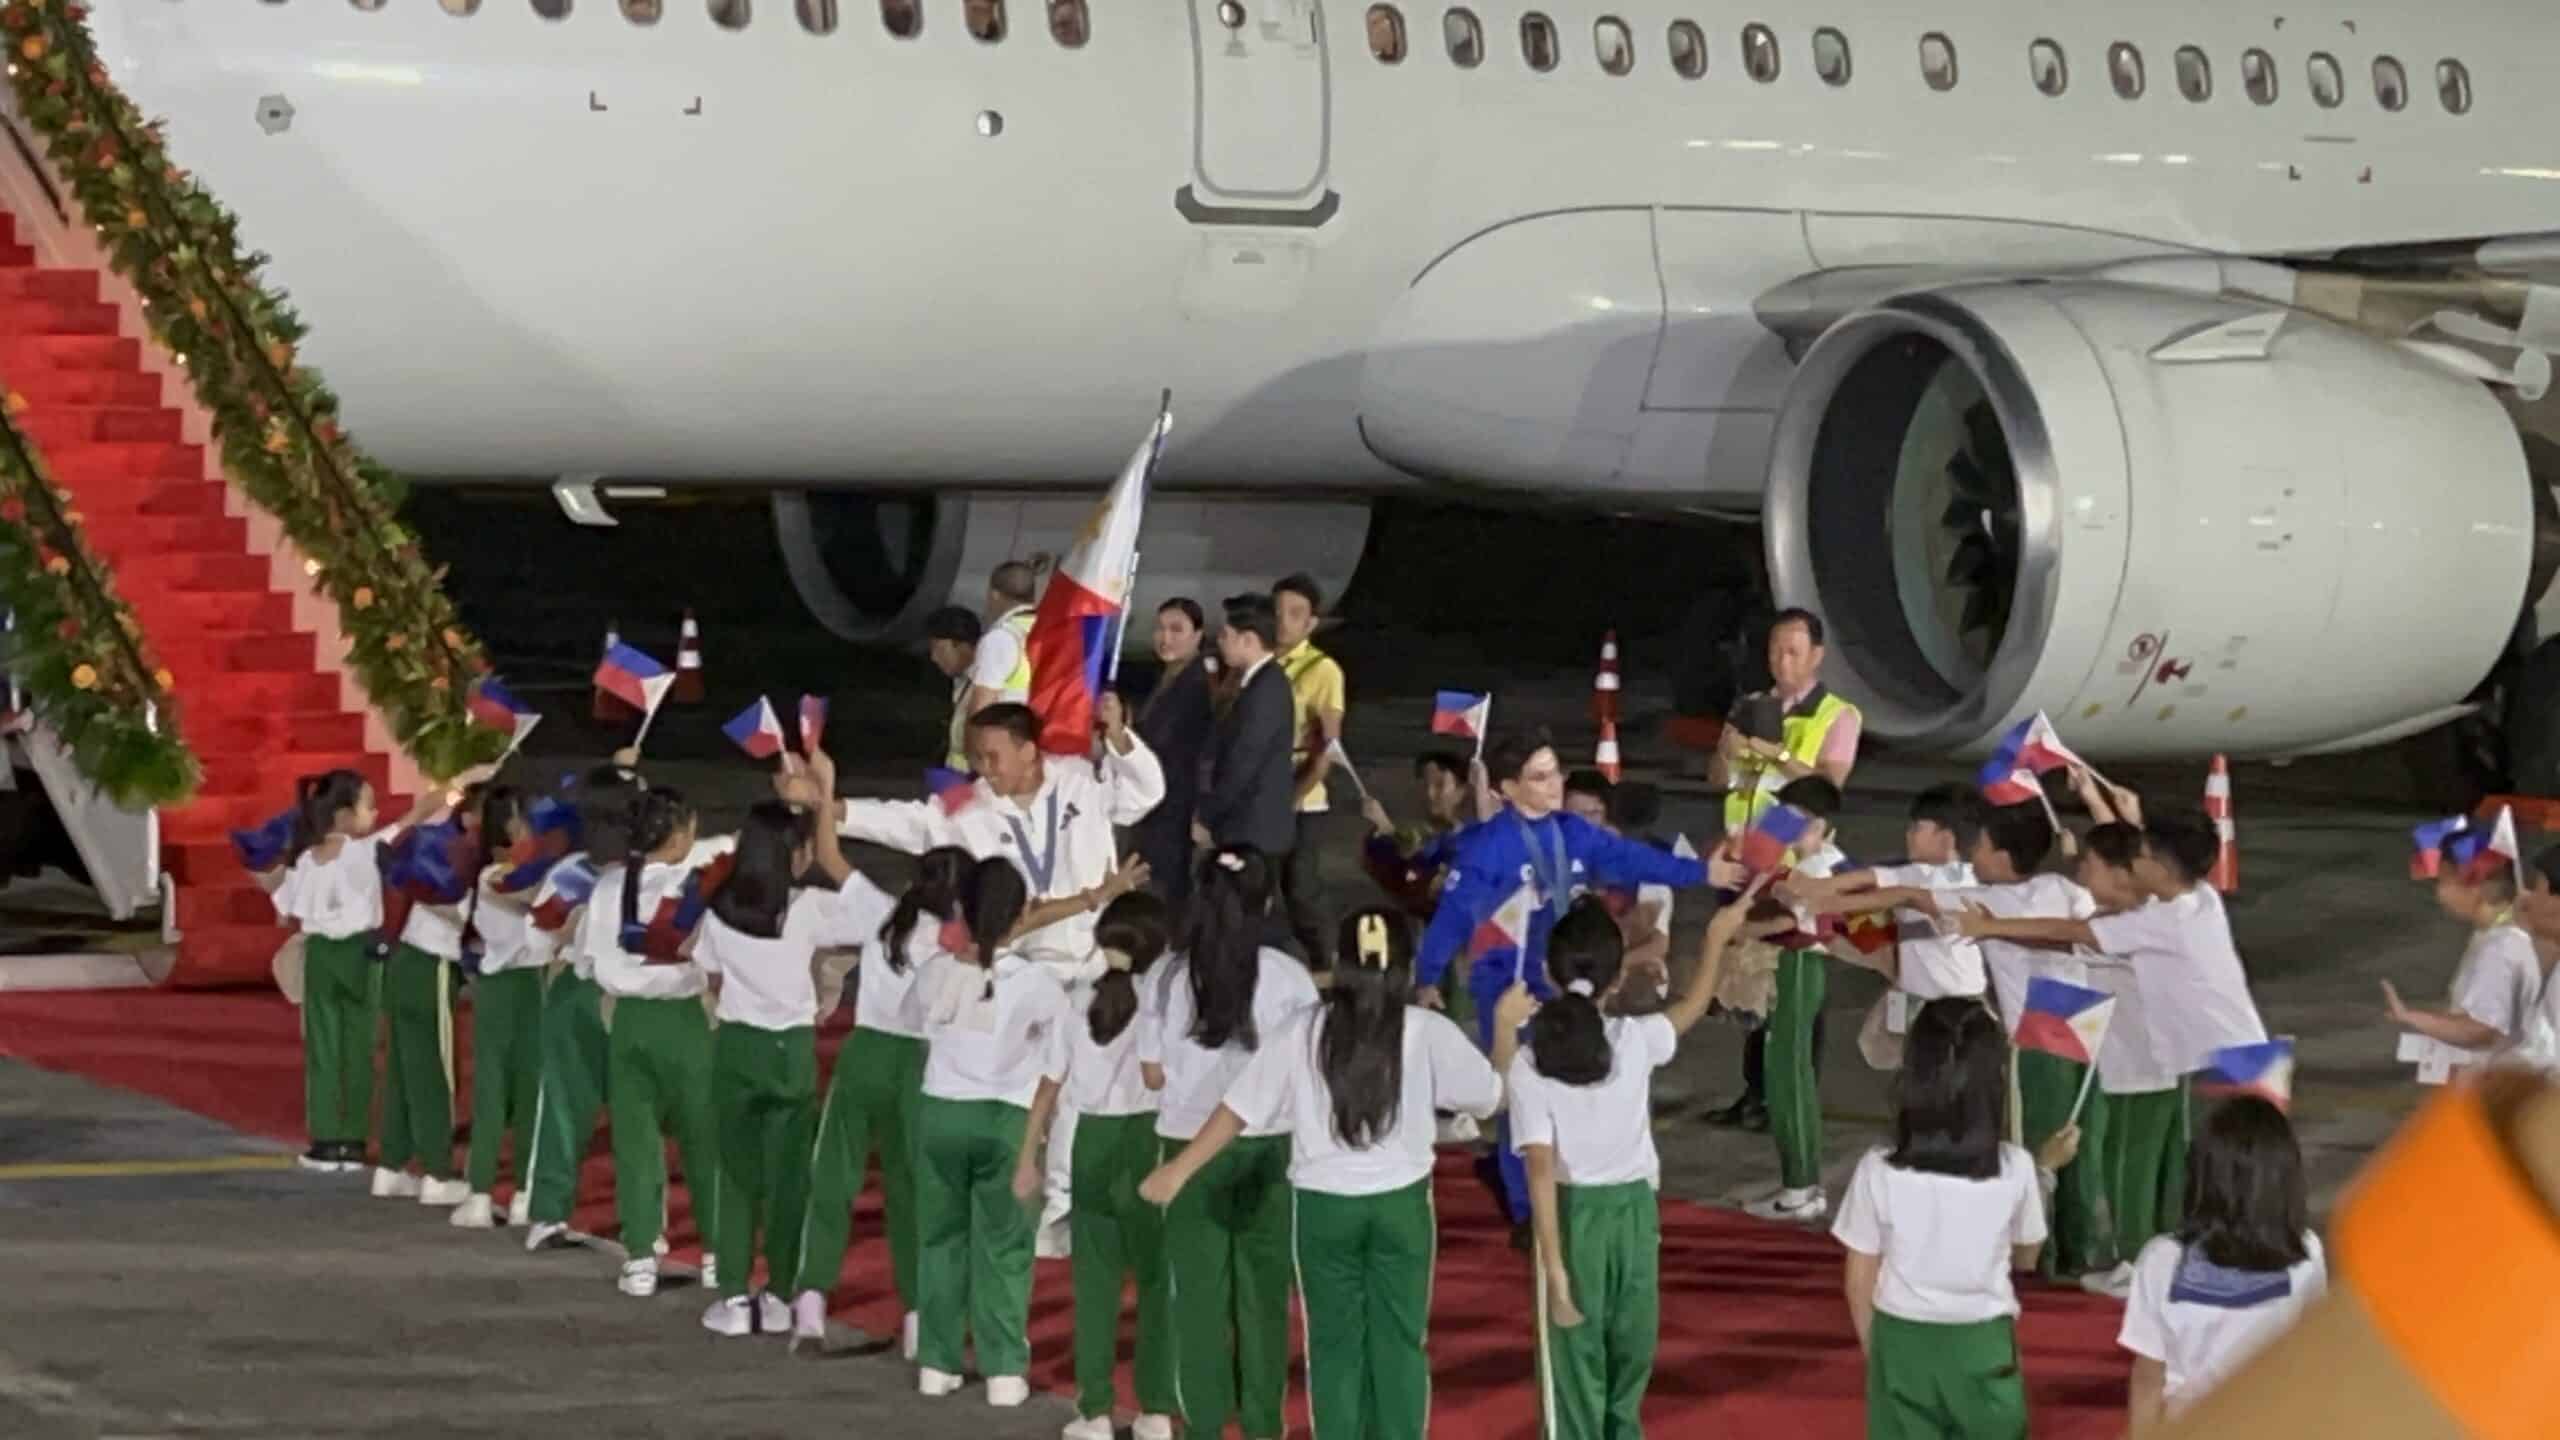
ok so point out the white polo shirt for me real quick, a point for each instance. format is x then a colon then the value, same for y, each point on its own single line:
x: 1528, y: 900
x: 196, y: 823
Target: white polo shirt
x: 1602, y: 1133
x: 2009, y: 965
x: 339, y: 898
x: 1945, y: 1241
x: 2205, y: 1323
x: 1003, y: 1050
x: 1284, y: 1088
x: 1196, y: 1079
x: 616, y: 970
x: 2499, y: 984
x: 771, y: 983
x: 2195, y: 995
x: 891, y: 1000
x: 508, y: 940
x: 1936, y: 962
x: 1104, y: 1078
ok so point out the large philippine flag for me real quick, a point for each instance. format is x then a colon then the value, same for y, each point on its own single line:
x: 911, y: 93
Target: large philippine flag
x: 1080, y: 611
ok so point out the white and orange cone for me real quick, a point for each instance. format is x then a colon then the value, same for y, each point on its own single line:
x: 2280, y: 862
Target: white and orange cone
x: 1604, y: 686
x: 2217, y: 808
x: 1607, y: 758
x: 688, y: 687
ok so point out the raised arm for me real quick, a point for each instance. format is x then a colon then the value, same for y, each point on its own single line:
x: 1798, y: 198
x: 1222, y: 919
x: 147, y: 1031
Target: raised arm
x: 2445, y: 1027
x: 1131, y: 775
x: 1691, y: 1006
x: 1622, y: 861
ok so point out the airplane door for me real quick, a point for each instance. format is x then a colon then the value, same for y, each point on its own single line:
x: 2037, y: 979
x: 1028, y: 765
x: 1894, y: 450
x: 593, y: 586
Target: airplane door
x: 1261, y: 121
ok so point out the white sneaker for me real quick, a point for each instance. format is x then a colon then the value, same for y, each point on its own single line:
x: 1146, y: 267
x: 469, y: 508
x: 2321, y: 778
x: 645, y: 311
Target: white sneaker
x: 729, y: 1317
x: 1153, y: 1427
x: 936, y: 1383
x: 394, y: 1184
x: 809, y: 1319
x: 549, y: 1235
x: 1053, y: 1242
x: 2116, y: 1284
x: 520, y: 1209
x: 1796, y: 1206
x: 907, y: 1336
x: 639, y: 1279
x: 1007, y: 1391
x: 1097, y: 1427
x: 711, y: 1271
x: 772, y: 1316
x: 474, y: 1214
x: 658, y: 1247
x: 443, y: 1192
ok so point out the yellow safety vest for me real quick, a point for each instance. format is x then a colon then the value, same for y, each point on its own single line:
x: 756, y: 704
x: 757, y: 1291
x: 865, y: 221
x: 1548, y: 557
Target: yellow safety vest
x: 1756, y: 788
x: 1018, y: 620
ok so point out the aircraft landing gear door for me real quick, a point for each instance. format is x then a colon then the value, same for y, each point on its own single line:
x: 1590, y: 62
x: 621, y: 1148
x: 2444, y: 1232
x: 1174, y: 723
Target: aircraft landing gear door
x: 1261, y: 123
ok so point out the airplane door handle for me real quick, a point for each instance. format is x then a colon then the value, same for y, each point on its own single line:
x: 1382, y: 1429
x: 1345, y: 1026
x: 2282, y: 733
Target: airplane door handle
x: 595, y: 104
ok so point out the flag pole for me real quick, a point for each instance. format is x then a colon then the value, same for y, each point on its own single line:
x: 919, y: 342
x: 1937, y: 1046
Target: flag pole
x: 1120, y: 627
x: 651, y: 718
x: 1129, y: 581
x: 1335, y: 750
x: 2085, y: 1082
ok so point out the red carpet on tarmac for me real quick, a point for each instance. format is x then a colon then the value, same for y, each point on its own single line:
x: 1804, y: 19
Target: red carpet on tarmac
x: 1755, y: 1337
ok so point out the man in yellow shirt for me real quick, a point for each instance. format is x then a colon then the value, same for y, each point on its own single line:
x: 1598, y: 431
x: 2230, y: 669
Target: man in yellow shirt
x: 1319, y: 698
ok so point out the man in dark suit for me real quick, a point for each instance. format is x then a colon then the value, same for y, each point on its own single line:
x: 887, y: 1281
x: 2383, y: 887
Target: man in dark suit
x: 1252, y: 797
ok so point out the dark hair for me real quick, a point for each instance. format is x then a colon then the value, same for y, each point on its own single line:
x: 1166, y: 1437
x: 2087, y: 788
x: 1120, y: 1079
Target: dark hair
x: 1813, y: 795
x: 1567, y: 1038
x: 1302, y: 585
x: 992, y: 898
x: 1012, y: 717
x: 2246, y: 1201
x: 1190, y: 609
x: 1798, y: 615
x: 605, y: 798
x: 1956, y: 809
x: 1454, y: 765
x: 1587, y: 781
x: 1015, y: 581
x: 2496, y: 884
x: 1635, y: 806
x: 954, y: 623
x: 2184, y: 840
x: 1511, y: 752
x: 753, y: 899
x: 2114, y: 843
x: 1360, y: 1042
x: 1139, y: 926
x: 1954, y: 1091
x: 2020, y: 832
x: 935, y: 891
x: 656, y: 816
x: 496, y: 807
x: 1254, y: 615
x: 1223, y: 950
x: 318, y: 801
x: 2547, y: 865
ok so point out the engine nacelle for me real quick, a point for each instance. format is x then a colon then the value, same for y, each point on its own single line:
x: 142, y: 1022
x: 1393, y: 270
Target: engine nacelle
x: 2138, y: 511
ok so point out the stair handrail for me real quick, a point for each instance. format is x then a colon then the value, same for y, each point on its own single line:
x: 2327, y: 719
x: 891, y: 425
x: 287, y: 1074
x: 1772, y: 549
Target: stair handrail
x: 281, y: 438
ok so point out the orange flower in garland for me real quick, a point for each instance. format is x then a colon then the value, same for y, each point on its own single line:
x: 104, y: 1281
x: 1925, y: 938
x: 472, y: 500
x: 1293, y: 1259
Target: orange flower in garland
x: 164, y: 679
x: 84, y: 677
x: 363, y: 597
x: 32, y: 47
x: 395, y: 641
x: 58, y: 564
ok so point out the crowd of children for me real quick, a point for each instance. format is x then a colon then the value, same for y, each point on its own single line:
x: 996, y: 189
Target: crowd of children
x: 1244, y: 1131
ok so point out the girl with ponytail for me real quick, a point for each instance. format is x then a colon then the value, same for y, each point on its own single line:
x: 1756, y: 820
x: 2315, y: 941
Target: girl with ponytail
x: 1200, y: 1021
x: 996, y: 1033
x: 506, y: 1007
x: 1581, y: 1113
x: 1355, y: 1082
x: 874, y: 1094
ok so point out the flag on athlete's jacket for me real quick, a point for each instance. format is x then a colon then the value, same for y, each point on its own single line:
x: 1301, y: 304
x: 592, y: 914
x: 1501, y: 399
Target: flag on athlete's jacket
x: 2264, y: 1069
x: 756, y: 730
x: 2029, y: 749
x: 1078, y: 622
x: 2065, y: 1020
x: 1460, y: 713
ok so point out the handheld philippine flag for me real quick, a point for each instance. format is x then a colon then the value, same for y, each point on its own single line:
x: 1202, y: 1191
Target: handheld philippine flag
x: 2430, y: 842
x: 2029, y: 749
x: 433, y: 863
x: 813, y: 723
x: 2264, y: 1070
x: 1507, y: 928
x: 264, y: 847
x: 553, y: 831
x: 567, y: 888
x: 756, y: 730
x: 494, y: 707
x: 1461, y: 713
x: 1070, y: 645
x: 953, y: 790
x: 661, y: 940
x: 2064, y: 1020
x: 1765, y: 845
x: 2502, y: 852
x: 634, y: 679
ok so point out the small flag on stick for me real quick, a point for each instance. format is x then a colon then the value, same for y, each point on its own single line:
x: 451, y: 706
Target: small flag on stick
x: 756, y: 730
x: 2264, y: 1069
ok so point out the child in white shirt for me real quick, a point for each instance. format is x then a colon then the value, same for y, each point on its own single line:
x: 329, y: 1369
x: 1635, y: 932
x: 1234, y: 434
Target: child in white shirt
x: 2499, y: 980
x: 2241, y: 1267
x: 506, y: 1011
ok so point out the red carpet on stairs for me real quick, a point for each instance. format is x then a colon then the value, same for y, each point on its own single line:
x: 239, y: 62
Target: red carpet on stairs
x: 1755, y: 1337
x: 258, y: 709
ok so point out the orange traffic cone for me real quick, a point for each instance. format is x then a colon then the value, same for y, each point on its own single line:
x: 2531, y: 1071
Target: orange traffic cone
x: 1607, y: 759
x: 2217, y: 808
x: 611, y: 709
x: 1604, y: 686
x: 688, y: 687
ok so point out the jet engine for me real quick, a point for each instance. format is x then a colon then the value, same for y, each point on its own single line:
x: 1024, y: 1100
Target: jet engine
x: 2176, y: 523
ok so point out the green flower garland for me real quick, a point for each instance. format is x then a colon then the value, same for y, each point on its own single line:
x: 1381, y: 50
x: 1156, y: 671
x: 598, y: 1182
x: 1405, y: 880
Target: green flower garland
x: 74, y: 646
x: 274, y: 419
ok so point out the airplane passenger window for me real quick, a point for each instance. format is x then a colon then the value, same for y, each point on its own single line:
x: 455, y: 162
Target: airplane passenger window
x: 1069, y: 23
x: 730, y: 14
x: 1760, y: 53
x: 1616, y: 47
x: 2195, y: 74
x: 2328, y: 82
x: 367, y: 4
x: 1231, y: 14
x: 1688, y: 49
x: 556, y: 9
x: 1465, y: 38
x: 638, y: 12
x: 1538, y: 41
x: 2258, y: 76
x: 1831, y: 56
x: 460, y: 7
x: 2453, y: 86
x: 2390, y: 84
x: 1386, y: 34
x: 901, y: 18
x: 818, y: 17
x: 2044, y: 62
x: 2124, y: 66
x: 1938, y: 61
x: 985, y: 19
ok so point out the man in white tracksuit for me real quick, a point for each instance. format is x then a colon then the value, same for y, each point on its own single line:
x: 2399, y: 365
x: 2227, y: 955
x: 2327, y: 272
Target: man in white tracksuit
x: 1052, y: 816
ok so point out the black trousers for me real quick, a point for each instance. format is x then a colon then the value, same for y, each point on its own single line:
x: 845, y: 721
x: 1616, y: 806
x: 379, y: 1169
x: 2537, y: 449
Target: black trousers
x: 1302, y: 894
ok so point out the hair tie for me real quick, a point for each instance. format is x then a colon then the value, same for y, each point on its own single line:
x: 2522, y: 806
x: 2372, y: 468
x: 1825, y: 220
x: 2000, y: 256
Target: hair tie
x: 1582, y: 987
x: 1231, y: 862
x: 1372, y: 941
x: 1117, y: 961
x: 955, y: 936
